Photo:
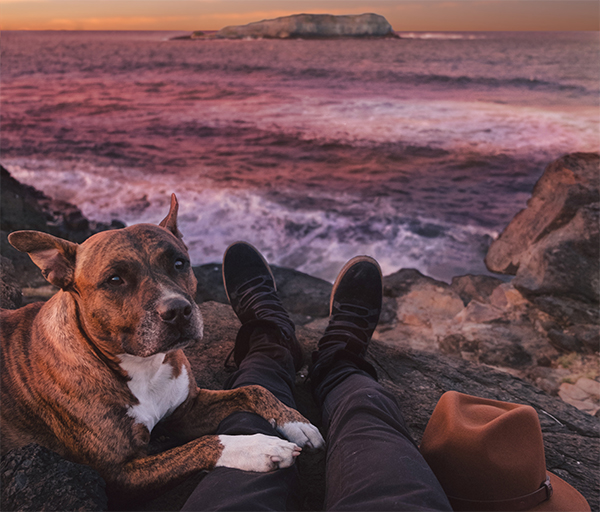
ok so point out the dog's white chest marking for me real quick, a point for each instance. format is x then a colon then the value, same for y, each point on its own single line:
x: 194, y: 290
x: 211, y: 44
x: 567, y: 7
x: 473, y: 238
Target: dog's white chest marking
x: 153, y: 384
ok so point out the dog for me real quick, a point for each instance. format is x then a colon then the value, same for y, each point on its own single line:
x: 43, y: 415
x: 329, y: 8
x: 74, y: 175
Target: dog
x: 90, y: 373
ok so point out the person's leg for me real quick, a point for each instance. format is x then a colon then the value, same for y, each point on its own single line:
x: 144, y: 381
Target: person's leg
x: 372, y: 462
x: 267, y: 353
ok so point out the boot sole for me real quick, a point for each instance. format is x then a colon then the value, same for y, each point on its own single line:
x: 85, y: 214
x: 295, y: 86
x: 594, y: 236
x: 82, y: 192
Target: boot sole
x: 257, y: 252
x: 345, y: 268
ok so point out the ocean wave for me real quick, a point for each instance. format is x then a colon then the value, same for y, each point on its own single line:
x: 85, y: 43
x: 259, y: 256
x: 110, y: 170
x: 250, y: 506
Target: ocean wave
x: 314, y: 241
x: 440, y: 35
x: 463, y: 81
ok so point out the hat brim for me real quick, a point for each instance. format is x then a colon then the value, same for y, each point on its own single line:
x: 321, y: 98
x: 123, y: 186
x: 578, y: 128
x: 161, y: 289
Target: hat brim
x: 564, y: 498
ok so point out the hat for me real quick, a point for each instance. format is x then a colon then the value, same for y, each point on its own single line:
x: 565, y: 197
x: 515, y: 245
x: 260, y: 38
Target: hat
x: 489, y: 455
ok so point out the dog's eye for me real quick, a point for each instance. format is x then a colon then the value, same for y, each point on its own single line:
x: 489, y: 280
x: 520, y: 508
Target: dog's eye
x: 115, y: 280
x: 180, y: 264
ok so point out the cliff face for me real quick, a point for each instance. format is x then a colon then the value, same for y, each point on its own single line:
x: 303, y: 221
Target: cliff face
x: 311, y: 26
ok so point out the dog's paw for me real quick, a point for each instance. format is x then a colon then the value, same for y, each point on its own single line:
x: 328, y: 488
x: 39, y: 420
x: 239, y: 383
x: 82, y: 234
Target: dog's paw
x: 301, y: 433
x: 257, y: 452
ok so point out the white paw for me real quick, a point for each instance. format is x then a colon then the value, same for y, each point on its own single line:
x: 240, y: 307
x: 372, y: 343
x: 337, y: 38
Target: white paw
x: 257, y: 452
x: 303, y: 434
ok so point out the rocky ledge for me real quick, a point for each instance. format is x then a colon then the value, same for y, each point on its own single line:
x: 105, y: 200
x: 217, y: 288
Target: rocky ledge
x: 532, y: 340
x: 307, y: 26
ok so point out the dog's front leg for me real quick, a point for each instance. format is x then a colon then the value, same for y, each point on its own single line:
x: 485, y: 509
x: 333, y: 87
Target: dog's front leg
x: 151, y: 475
x: 205, y: 409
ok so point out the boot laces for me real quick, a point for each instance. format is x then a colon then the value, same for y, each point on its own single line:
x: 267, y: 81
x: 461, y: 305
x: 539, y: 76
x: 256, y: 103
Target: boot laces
x: 259, y: 299
x: 351, y: 323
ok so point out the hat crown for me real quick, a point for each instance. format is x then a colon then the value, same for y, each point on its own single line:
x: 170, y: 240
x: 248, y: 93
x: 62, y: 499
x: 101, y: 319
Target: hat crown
x: 484, y: 449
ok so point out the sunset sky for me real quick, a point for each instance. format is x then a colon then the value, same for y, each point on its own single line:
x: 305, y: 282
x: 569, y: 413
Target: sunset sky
x: 404, y: 15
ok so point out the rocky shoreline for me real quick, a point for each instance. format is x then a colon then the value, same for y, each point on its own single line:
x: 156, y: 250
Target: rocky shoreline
x: 533, y: 339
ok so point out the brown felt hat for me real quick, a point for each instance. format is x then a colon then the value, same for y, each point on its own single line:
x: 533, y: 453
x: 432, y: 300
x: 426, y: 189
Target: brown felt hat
x: 489, y: 455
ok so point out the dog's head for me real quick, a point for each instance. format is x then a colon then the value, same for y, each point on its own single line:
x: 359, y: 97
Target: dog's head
x: 134, y: 287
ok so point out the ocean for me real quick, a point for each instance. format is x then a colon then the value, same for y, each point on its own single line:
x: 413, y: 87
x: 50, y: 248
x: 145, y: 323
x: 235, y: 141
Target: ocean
x: 417, y: 151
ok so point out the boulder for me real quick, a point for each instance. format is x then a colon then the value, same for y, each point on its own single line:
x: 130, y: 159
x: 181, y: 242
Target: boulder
x: 35, y: 478
x: 309, y: 26
x: 553, y: 249
x: 566, y: 261
x: 474, y: 287
x: 25, y: 207
x: 568, y: 184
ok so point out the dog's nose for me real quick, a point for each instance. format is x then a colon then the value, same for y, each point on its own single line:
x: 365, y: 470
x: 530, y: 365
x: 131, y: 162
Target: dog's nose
x: 175, y: 310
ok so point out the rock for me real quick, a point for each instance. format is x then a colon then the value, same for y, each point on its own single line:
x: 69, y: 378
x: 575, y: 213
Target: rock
x: 567, y: 311
x: 474, y: 287
x: 10, y: 291
x: 568, y: 184
x: 553, y: 248
x: 563, y: 341
x: 584, y: 396
x: 25, y: 207
x: 577, y: 338
x: 479, y: 313
x: 35, y: 478
x: 591, y: 387
x: 506, y: 296
x: 210, y: 284
x: 566, y: 261
x: 426, y: 305
x: 418, y: 380
x: 496, y: 346
x: 548, y: 379
x: 421, y: 301
x: 309, y: 26
x: 401, y: 282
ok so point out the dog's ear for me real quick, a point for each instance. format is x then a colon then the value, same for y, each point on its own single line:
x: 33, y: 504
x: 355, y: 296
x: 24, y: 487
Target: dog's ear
x: 55, y: 256
x: 170, y: 221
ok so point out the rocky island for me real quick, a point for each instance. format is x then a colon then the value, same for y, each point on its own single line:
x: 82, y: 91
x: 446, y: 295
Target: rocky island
x: 307, y: 26
x: 533, y: 339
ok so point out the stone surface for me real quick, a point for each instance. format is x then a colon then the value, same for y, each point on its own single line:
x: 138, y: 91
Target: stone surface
x: 309, y: 26
x: 24, y: 207
x: 474, y: 287
x: 11, y: 296
x: 568, y: 184
x: 582, y: 395
x: 566, y: 261
x: 418, y: 380
x: 35, y: 478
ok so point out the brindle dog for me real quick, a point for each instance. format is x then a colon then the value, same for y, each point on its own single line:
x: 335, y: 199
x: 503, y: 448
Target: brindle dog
x: 89, y: 373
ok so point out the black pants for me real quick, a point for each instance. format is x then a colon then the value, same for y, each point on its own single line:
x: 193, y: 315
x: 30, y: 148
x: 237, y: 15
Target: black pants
x: 372, y: 462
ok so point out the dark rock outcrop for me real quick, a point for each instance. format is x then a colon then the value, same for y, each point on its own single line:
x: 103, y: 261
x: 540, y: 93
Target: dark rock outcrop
x: 10, y: 291
x: 24, y: 207
x: 35, y: 478
x: 308, y: 26
x: 553, y: 245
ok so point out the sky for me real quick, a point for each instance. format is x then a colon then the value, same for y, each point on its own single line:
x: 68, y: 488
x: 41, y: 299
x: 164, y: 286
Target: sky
x: 403, y: 15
